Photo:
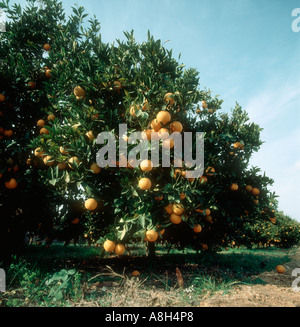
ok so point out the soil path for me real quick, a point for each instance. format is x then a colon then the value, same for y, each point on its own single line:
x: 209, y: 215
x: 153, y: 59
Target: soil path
x: 277, y: 292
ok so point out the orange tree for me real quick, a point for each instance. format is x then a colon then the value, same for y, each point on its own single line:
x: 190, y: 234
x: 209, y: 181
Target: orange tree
x: 83, y: 87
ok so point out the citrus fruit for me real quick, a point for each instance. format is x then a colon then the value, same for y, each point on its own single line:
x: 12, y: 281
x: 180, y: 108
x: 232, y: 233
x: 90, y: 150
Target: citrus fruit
x: 90, y: 204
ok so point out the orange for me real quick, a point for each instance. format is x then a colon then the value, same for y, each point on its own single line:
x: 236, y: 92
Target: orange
x: 146, y: 134
x: 163, y: 133
x: 237, y: 145
x: 255, y: 201
x: 2, y: 97
x: 151, y: 235
x: 203, y: 179
x: 204, y: 246
x: 109, y: 246
x: 63, y: 150
x: 169, y: 98
x: 204, y: 104
x: 73, y: 160
x: 1, y: 130
x: 234, y: 187
x: 11, y: 184
x: 90, y: 204
x: 47, y: 47
x: 146, y: 165
x: 159, y: 198
x: 48, y: 161
x: 178, y: 209
x: 119, y: 249
x: 51, y: 117
x: 168, y: 143
x: 248, y: 188
x: 79, y: 91
x: 44, y: 130
x: 163, y: 117
x: 169, y: 209
x: 38, y: 152
x: 31, y: 85
x: 175, y: 219
x: 75, y: 221
x: 95, y: 168
x: 90, y: 135
x: 146, y: 105
x: 8, y: 133
x: 197, y: 228
x: 208, y: 218
x: 155, y: 125
x: 255, y: 191
x: 135, y: 273
x: 48, y: 73
x: 280, y: 269
x: 117, y: 85
x: 61, y: 165
x: 176, y: 126
x: 144, y: 183
x: 182, y: 196
x: 41, y: 122
x: 210, y: 171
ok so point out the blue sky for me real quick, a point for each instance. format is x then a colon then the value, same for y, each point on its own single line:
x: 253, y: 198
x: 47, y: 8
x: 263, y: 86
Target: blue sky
x: 245, y: 50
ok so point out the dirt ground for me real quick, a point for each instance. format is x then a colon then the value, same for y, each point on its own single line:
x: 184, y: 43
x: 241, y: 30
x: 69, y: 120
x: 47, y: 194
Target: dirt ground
x: 277, y: 292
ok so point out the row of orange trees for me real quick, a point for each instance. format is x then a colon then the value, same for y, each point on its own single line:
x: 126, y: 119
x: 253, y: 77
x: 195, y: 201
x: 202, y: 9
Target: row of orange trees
x: 61, y: 86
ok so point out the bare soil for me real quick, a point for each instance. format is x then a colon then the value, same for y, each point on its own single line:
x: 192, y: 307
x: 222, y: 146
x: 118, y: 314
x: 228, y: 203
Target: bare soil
x: 277, y: 292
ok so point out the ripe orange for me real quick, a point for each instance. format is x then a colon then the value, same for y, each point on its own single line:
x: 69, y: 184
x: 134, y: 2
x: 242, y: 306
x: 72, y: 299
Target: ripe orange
x: 203, y: 179
x: 41, y: 122
x: 38, y: 152
x: 48, y: 73
x: 163, y: 117
x: 280, y: 269
x: 51, y: 117
x: 146, y: 165
x: 63, y: 150
x: 155, y: 125
x: 146, y: 105
x: 144, y: 183
x: 163, y: 133
x: 135, y: 273
x: 204, y: 104
x: 208, y: 218
x: 255, y: 201
x: 255, y: 191
x: 237, y: 145
x: 31, y: 85
x: 169, y: 98
x: 119, y: 249
x: 168, y: 143
x: 151, y: 235
x: 197, y: 228
x: 176, y: 126
x: 48, y: 161
x: 44, y: 130
x: 204, y: 246
x: 95, y: 168
x: 11, y: 184
x: 234, y: 187
x: 75, y: 221
x: 73, y: 160
x: 182, y: 196
x: 146, y: 134
x: 109, y: 246
x: 90, y: 204
x: 210, y: 171
x: 2, y: 97
x: 178, y: 209
x: 248, y: 188
x: 169, y: 208
x: 8, y: 133
x: 175, y: 219
x: 62, y: 165
x: 159, y: 198
x: 47, y: 47
x: 90, y: 135
x: 79, y: 92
